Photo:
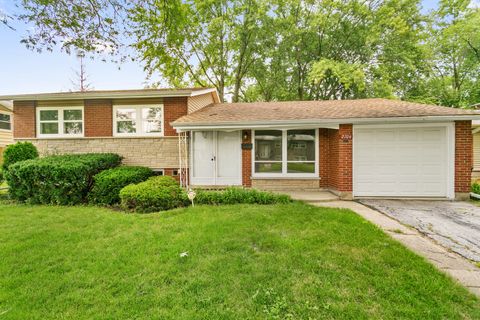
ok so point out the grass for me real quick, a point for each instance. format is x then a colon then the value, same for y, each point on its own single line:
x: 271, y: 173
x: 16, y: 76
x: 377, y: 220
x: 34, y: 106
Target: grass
x: 243, y: 262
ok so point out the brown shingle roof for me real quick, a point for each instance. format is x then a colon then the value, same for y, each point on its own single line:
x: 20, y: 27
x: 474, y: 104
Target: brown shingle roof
x: 255, y: 112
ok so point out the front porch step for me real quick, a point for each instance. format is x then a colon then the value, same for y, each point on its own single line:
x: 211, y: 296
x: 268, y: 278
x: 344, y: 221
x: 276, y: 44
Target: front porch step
x: 310, y: 196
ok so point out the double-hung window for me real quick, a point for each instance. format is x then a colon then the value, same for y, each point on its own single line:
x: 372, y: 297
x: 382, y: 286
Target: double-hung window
x: 289, y: 153
x: 138, y: 120
x: 60, y: 122
x: 5, y: 122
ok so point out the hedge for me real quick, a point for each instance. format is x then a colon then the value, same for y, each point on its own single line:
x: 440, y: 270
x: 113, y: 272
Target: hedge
x: 155, y: 194
x: 107, y: 184
x: 63, y: 180
x: 475, y: 188
x: 236, y: 195
x: 17, y: 152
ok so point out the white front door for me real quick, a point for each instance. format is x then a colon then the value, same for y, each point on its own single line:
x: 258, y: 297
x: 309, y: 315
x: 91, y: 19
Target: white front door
x: 216, y: 158
x: 203, y: 153
x: 403, y: 161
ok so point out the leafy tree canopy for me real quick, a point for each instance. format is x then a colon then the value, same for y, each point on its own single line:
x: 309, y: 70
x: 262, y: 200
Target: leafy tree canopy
x: 277, y: 49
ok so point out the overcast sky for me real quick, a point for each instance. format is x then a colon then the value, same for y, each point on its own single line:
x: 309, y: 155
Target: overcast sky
x: 25, y: 71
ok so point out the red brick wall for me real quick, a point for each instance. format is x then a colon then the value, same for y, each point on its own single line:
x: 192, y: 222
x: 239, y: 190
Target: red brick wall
x: 98, y: 118
x: 336, y: 158
x: 323, y: 145
x: 463, y: 156
x: 174, y: 108
x: 247, y: 160
x: 332, y: 161
x: 24, y: 119
x: 345, y: 161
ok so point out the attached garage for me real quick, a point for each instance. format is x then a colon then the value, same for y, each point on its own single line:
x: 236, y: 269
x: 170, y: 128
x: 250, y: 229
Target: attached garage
x: 407, y: 160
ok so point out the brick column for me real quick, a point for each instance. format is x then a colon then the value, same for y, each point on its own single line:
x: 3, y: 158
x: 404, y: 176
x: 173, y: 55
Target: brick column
x: 24, y: 119
x: 174, y: 108
x: 247, y: 160
x: 98, y: 118
x: 323, y: 157
x: 345, y: 143
x: 463, y: 157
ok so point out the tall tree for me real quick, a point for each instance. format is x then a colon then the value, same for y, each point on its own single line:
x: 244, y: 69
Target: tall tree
x: 279, y: 49
x: 455, y: 65
x: 81, y: 82
x: 89, y: 25
x: 206, y: 43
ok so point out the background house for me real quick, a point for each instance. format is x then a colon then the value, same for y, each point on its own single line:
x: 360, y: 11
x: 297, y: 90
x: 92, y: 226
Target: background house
x: 6, y: 134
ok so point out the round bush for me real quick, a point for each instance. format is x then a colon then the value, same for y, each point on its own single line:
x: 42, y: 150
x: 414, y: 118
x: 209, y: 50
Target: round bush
x: 19, y: 151
x: 107, y: 184
x: 155, y: 194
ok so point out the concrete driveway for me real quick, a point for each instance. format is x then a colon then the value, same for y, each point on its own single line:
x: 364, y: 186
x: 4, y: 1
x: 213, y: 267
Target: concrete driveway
x: 454, y: 225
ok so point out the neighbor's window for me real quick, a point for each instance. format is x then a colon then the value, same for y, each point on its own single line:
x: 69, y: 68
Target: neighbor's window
x: 5, y: 123
x: 285, y: 152
x: 138, y: 120
x: 65, y: 122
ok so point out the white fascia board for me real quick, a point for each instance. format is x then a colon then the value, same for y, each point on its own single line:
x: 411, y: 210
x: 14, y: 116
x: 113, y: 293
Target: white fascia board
x: 105, y: 95
x: 317, y: 123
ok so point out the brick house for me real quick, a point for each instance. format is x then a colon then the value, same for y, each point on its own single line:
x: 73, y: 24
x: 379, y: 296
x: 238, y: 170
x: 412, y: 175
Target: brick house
x: 355, y: 148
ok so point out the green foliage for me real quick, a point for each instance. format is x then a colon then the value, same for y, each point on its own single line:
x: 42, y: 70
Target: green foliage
x: 235, y: 195
x: 333, y: 76
x: 63, y: 180
x: 476, y: 188
x: 155, y: 194
x: 19, y: 151
x: 107, y: 184
x: 280, y: 49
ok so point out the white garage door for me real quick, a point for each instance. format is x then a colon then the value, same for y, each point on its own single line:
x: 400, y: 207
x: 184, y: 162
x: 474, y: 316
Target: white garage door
x: 402, y: 161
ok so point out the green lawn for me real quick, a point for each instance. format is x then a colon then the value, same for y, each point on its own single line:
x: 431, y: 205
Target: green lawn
x: 266, y: 262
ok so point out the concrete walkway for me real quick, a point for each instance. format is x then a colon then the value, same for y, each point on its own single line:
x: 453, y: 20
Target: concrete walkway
x: 453, y: 264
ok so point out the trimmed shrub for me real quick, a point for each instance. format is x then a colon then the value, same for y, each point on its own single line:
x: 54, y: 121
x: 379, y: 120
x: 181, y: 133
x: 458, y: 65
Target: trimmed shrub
x: 475, y: 188
x: 239, y: 195
x: 62, y: 180
x: 107, y: 184
x: 156, y: 194
x: 19, y: 151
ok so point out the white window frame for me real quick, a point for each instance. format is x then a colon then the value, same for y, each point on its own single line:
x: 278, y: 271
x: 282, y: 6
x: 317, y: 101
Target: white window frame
x: 139, y: 121
x: 10, y: 122
x: 284, y: 161
x: 61, y: 122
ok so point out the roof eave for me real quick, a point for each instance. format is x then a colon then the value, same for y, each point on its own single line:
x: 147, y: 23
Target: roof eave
x: 108, y: 95
x: 315, y: 122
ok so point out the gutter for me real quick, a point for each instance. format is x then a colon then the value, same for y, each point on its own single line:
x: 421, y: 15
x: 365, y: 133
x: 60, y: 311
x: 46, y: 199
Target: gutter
x: 316, y: 123
x: 107, y: 95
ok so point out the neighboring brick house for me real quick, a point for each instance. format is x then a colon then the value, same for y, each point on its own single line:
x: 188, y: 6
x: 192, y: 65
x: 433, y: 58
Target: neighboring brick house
x: 132, y: 123
x: 356, y: 148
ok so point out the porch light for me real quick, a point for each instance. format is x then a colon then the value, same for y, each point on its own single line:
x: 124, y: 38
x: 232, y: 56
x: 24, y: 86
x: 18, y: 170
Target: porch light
x: 245, y: 135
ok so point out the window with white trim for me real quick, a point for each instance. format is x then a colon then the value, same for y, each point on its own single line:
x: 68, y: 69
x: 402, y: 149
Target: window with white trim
x: 285, y: 152
x: 139, y: 120
x: 60, y: 122
x: 5, y: 121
